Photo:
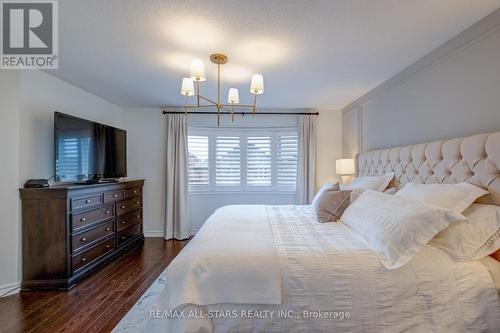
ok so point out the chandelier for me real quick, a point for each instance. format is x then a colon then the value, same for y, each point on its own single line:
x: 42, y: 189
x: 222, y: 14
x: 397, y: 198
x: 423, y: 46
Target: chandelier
x: 197, y: 75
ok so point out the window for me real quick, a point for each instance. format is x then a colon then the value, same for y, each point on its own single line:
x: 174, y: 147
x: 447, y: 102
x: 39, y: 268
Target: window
x: 242, y: 160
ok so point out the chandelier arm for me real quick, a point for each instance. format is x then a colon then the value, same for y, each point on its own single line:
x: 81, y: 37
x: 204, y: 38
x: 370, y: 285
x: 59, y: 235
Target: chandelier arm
x: 218, y: 86
x: 185, y: 104
x: 254, y: 103
x: 198, y: 92
x: 194, y: 106
x: 208, y: 100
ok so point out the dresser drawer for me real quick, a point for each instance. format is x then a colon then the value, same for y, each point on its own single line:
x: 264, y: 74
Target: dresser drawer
x: 129, y: 219
x: 133, y: 192
x: 87, y: 257
x: 90, y: 201
x: 127, y: 234
x: 128, y: 206
x: 92, y: 236
x: 113, y: 196
x: 92, y: 217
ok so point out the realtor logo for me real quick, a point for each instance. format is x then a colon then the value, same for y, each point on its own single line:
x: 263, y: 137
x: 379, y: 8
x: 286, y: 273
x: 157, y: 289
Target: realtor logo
x: 29, y: 34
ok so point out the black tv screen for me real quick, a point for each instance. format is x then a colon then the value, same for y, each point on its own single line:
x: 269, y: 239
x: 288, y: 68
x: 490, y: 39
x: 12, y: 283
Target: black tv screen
x: 86, y: 150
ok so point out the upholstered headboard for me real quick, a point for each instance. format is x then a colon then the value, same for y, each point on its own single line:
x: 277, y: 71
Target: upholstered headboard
x: 474, y: 159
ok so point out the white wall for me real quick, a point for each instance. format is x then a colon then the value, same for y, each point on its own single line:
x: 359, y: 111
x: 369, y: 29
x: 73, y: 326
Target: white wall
x: 41, y: 95
x: 146, y: 151
x: 458, y: 95
x: 328, y: 145
x: 9, y: 178
x: 28, y: 100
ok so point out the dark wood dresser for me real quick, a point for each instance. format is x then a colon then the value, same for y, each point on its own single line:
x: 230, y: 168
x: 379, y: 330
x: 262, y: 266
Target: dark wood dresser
x: 69, y: 230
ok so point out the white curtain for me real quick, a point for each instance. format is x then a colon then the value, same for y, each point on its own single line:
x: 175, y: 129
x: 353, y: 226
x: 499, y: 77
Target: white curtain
x: 307, y: 159
x: 177, y: 222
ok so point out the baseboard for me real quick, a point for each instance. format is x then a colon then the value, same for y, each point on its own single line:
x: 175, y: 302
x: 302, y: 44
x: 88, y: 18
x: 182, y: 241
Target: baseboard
x: 10, y: 289
x: 153, y: 233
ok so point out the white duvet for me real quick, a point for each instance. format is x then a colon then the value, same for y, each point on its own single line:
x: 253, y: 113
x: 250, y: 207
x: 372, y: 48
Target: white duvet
x: 274, y: 269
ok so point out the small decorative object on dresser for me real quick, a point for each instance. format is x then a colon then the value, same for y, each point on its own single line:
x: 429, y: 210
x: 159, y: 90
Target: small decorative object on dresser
x: 69, y: 230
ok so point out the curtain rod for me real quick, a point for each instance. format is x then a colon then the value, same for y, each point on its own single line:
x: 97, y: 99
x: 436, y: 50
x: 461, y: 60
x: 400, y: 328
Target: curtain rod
x: 242, y: 113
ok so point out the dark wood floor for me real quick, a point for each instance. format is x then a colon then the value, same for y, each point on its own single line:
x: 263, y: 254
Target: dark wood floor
x: 97, y: 303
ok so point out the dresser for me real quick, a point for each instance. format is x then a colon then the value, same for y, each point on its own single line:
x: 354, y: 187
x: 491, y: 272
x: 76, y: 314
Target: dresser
x: 69, y: 230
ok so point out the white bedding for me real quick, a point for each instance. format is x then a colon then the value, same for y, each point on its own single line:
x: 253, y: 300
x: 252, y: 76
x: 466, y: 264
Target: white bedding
x: 234, y: 254
x: 301, y: 265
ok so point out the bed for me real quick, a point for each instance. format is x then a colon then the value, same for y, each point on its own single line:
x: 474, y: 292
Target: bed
x: 258, y: 268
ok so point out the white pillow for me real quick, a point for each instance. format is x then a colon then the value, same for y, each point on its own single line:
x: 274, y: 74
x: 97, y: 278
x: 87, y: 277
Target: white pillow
x: 456, y: 197
x: 474, y: 238
x: 322, y: 189
x: 376, y: 183
x: 394, y: 227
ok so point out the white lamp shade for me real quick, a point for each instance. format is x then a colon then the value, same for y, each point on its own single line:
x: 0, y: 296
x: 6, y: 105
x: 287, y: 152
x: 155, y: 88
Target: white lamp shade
x: 198, y: 70
x: 233, y: 96
x: 187, y: 88
x: 345, y: 166
x: 257, y: 84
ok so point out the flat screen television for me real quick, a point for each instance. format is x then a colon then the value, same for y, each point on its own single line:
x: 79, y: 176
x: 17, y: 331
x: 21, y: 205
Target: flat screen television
x: 86, y: 151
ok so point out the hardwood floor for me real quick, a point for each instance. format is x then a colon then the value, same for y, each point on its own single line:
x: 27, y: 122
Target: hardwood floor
x: 97, y: 303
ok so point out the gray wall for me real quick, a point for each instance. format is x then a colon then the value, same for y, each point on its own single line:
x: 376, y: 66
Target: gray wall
x: 448, y: 93
x: 28, y: 99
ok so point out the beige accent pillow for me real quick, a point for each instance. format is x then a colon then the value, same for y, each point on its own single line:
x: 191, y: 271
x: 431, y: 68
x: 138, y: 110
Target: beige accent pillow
x: 326, y: 186
x: 331, y: 204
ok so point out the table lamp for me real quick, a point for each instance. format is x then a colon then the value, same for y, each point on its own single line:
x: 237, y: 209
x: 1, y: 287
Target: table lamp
x: 345, y: 168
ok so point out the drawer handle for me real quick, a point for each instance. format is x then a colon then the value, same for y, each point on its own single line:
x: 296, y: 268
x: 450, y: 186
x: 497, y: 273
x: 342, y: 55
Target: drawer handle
x: 108, y: 246
x: 137, y: 229
x: 123, y: 237
x: 83, y: 219
x: 137, y: 202
x: 123, y: 222
x: 134, y: 191
x: 83, y: 239
x: 84, y: 259
x: 88, y: 201
x: 108, y: 229
x: 115, y: 195
x: 138, y: 216
x: 122, y: 207
x: 107, y: 212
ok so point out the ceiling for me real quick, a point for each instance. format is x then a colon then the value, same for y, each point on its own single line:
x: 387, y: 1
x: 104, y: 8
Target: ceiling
x: 312, y: 53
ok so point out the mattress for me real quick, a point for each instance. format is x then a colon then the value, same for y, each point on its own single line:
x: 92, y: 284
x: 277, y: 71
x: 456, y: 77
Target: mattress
x: 313, y: 277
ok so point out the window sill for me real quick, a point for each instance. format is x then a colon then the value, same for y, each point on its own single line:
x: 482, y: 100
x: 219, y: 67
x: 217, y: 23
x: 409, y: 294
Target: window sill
x: 239, y: 192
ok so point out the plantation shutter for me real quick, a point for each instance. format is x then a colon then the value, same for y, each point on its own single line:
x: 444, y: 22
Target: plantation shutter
x: 259, y: 161
x: 287, y: 160
x: 227, y: 161
x: 198, y: 161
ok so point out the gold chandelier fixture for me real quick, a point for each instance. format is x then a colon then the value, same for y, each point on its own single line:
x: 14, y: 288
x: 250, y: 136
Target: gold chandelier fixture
x: 197, y: 75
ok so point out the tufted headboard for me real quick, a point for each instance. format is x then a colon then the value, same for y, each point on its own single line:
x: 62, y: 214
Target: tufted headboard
x: 474, y: 159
